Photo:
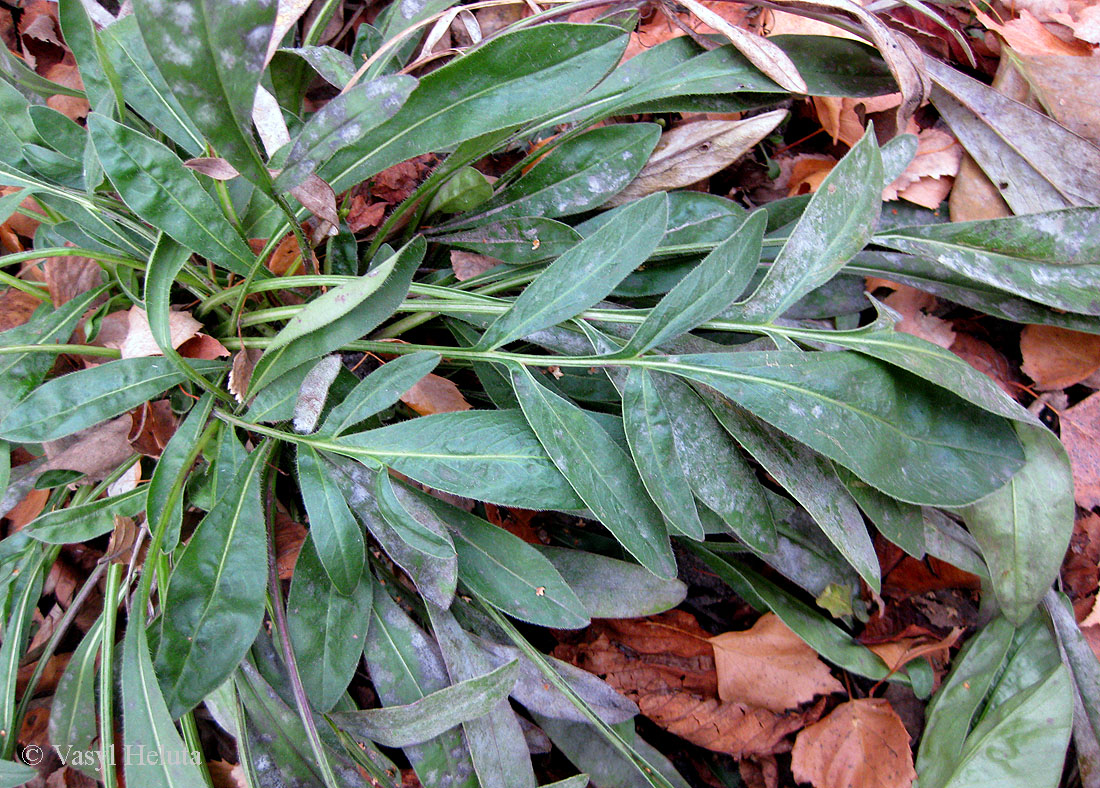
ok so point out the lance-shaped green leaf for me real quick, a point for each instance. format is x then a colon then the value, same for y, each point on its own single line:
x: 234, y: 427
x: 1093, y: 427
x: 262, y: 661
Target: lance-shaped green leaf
x: 86, y: 521
x: 503, y: 83
x: 1045, y: 257
x: 599, y: 470
x: 706, y: 291
x: 652, y: 444
x: 80, y: 37
x: 836, y: 224
x: 504, y: 570
x: 417, y: 722
x: 580, y: 174
x: 488, y: 455
x: 609, y: 588
x: 378, y: 390
x: 405, y: 666
x: 526, y: 239
x: 435, y: 577
x: 144, y: 88
x: 327, y: 628
x: 901, y: 523
x: 152, y: 180
x: 341, y: 122
x: 910, y: 438
x: 22, y: 372
x: 174, y: 463
x: 216, y: 593
x: 14, y: 774
x: 811, y: 479
x: 73, y: 709
x: 328, y: 323
x: 147, y: 724
x: 336, y: 536
x: 1085, y: 671
x: 419, y: 526
x: 717, y: 473
x: 80, y: 399
x: 1023, y: 529
x: 585, y: 274
x: 496, y: 740
x: 211, y: 55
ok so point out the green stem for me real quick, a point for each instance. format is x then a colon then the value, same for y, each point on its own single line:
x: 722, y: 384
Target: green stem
x: 191, y: 739
x: 320, y: 22
x: 41, y: 293
x: 106, y: 677
x: 79, y: 350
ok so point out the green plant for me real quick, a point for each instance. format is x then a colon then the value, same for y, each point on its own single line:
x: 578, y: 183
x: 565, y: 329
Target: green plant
x: 735, y: 347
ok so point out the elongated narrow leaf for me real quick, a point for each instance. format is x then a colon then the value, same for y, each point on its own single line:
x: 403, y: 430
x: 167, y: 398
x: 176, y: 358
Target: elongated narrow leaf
x: 379, y: 390
x: 526, y: 239
x: 216, y: 593
x: 386, y: 290
x: 341, y: 123
x: 576, y: 176
x: 496, y: 740
x: 211, y: 56
x: 144, y: 88
x: 586, y: 273
x: 80, y: 37
x: 810, y: 479
x: 336, y: 536
x: 483, y: 454
x: 22, y: 372
x: 836, y: 224
x: 653, y: 445
x: 503, y: 83
x: 706, y: 291
x: 717, y: 473
x: 419, y: 526
x: 609, y: 588
x: 152, y: 180
x: 1024, y: 528
x: 87, y: 521
x: 80, y: 399
x: 147, y: 725
x: 73, y: 709
x: 917, y: 442
x: 435, y: 576
x: 1045, y: 257
x: 417, y: 722
x: 334, y: 304
x: 405, y: 666
x: 174, y: 463
x: 327, y: 628
x: 14, y: 774
x: 599, y: 470
x: 505, y: 571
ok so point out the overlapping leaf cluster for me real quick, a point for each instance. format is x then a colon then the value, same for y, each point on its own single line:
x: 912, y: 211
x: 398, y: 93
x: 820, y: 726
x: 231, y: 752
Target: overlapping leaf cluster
x: 693, y: 344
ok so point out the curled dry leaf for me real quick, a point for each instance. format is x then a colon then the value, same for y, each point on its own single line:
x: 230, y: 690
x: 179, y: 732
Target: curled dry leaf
x: 1027, y: 36
x: 666, y: 665
x: 988, y: 360
x: 915, y: 307
x: 841, y: 117
x: 861, y: 744
x: 899, y: 653
x: 807, y: 171
x: 1081, y: 436
x: 693, y: 151
x: 153, y: 424
x: 1056, y: 358
x: 928, y: 178
x: 769, y: 666
x: 318, y: 198
x: 95, y: 451
x: 240, y: 372
x: 68, y: 277
x: 139, y: 337
x: 434, y: 394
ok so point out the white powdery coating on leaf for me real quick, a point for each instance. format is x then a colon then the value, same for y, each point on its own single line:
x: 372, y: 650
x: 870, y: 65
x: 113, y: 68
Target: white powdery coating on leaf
x: 314, y: 392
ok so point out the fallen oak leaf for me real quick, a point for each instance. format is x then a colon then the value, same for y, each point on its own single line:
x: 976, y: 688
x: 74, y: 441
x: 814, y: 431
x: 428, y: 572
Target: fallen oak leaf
x: 769, y: 666
x: 861, y: 744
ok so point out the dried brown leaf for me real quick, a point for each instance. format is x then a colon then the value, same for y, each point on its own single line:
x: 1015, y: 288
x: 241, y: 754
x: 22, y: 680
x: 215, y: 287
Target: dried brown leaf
x: 16, y: 308
x: 139, y: 337
x: 1081, y: 436
x: 915, y: 307
x: 68, y: 277
x: 1056, y: 358
x: 435, y: 394
x: 928, y: 178
x: 769, y: 666
x: 467, y: 265
x: 67, y: 74
x: 861, y: 744
x: 95, y: 451
x: 240, y: 373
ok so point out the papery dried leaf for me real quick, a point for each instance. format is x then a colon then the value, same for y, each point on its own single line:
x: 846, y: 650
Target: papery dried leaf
x: 435, y: 394
x: 290, y: 11
x: 467, y: 265
x: 95, y: 451
x: 988, y: 360
x: 121, y: 544
x: 267, y: 117
x: 1056, y: 358
x: 47, y: 682
x: 927, y: 179
x: 68, y: 277
x: 1065, y: 86
x: 915, y: 307
x: 153, y: 425
x: 693, y: 151
x: 1081, y: 436
x: 1085, y: 22
x: 16, y: 308
x: 807, y: 172
x: 974, y: 196
x: 320, y: 200
x: 289, y: 536
x: 861, y: 744
x: 362, y: 215
x: 139, y: 337
x: 769, y: 666
x: 240, y: 372
x: 1029, y: 37
x: 67, y: 74
x: 213, y: 167
x: 898, y: 653
x: 287, y: 257
x: 29, y: 507
x: 23, y: 225
x: 203, y: 346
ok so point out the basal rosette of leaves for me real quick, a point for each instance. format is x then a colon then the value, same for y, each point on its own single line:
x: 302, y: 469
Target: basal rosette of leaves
x: 638, y: 366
